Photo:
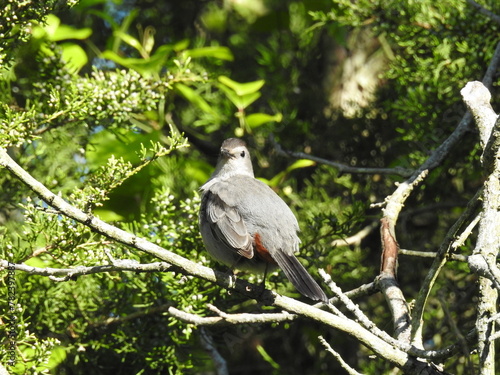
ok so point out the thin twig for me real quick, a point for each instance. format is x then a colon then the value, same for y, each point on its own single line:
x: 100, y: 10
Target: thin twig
x: 356, y: 311
x: 208, y: 344
x: 445, y: 249
x: 356, y: 238
x: 338, y: 357
x: 66, y: 274
x: 343, y: 168
x: 460, y: 337
x: 431, y: 254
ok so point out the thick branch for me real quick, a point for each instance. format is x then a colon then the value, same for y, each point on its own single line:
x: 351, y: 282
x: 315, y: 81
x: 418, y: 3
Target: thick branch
x: 477, y: 99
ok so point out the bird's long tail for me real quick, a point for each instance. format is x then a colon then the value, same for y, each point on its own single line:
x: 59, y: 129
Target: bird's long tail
x: 299, y: 276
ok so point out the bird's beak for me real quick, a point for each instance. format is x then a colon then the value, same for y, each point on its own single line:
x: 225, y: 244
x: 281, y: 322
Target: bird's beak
x: 226, y: 153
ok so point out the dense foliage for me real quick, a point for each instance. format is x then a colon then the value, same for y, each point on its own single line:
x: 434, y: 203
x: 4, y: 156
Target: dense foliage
x: 120, y: 107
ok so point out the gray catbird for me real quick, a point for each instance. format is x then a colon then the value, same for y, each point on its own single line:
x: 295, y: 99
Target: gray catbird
x: 245, y: 224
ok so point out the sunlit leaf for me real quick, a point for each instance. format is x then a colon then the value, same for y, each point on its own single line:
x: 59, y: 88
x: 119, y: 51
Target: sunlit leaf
x: 257, y: 119
x: 64, y: 32
x: 130, y: 40
x: 194, y: 97
x: 74, y: 55
x: 222, y: 53
x: 301, y: 163
x: 242, y: 88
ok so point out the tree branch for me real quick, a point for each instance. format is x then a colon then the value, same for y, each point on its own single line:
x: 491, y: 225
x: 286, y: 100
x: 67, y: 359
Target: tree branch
x: 448, y: 245
x: 356, y: 238
x: 395, y: 202
x: 383, y: 349
x: 343, y: 168
x: 431, y: 254
x: 208, y: 344
x: 476, y: 97
x: 66, y: 274
x: 338, y: 357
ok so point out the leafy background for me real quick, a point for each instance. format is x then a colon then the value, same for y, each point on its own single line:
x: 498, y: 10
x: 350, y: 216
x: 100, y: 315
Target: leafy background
x: 96, y: 99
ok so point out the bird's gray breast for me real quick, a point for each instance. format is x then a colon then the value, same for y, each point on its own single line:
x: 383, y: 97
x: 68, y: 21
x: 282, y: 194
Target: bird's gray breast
x: 261, y: 209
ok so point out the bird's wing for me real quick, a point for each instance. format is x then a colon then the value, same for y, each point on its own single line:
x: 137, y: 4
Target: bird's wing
x: 227, y: 225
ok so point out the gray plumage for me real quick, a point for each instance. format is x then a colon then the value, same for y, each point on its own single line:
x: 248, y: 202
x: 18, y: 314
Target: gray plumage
x: 245, y: 224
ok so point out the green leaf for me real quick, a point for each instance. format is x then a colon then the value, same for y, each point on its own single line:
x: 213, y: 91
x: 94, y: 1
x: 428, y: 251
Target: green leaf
x: 146, y: 67
x: 242, y: 88
x: 130, y: 40
x: 64, y: 32
x: 57, y: 357
x: 219, y: 52
x: 74, y: 55
x: 257, y: 119
x: 195, y: 98
x: 120, y: 143
x: 231, y: 95
x: 301, y: 163
x: 108, y: 215
x: 248, y: 99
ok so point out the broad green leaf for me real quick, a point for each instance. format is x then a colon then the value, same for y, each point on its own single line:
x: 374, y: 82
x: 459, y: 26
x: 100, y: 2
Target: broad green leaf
x: 107, y: 215
x: 301, y: 163
x: 248, y: 99
x: 181, y: 46
x: 220, y: 52
x: 257, y: 119
x: 194, y: 97
x: 232, y: 96
x: 146, y: 67
x: 119, y: 143
x: 52, y: 23
x: 123, y: 27
x: 36, y: 262
x: 130, y: 40
x: 57, y: 357
x: 242, y: 88
x: 64, y: 32
x: 74, y: 55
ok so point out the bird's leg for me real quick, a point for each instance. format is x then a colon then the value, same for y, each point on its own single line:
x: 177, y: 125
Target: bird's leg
x: 263, y: 284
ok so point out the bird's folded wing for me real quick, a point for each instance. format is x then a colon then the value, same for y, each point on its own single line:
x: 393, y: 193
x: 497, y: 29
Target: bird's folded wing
x: 228, y: 225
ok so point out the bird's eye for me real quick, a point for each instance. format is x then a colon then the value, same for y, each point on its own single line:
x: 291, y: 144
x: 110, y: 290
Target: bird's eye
x: 242, y: 154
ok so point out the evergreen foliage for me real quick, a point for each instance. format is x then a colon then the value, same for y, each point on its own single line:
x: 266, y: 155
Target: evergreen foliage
x: 120, y: 107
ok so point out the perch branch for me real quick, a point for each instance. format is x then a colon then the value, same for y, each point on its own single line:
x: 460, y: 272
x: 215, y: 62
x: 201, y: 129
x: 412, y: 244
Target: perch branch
x: 378, y: 346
